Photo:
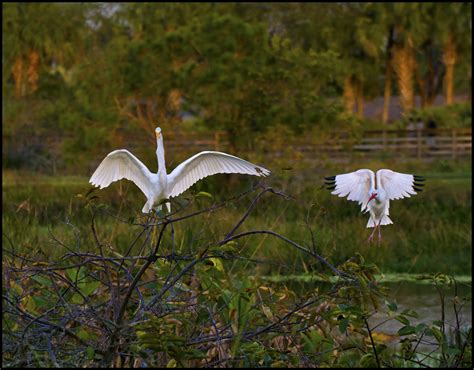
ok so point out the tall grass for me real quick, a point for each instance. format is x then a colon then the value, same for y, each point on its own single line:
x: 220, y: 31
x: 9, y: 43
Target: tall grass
x: 431, y: 232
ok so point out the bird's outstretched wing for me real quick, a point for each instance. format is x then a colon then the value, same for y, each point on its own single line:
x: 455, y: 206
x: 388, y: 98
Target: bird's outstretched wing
x: 206, y: 164
x: 121, y: 164
x: 355, y: 185
x: 399, y: 185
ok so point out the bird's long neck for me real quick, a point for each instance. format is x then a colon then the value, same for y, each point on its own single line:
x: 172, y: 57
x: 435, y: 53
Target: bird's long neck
x: 160, y: 153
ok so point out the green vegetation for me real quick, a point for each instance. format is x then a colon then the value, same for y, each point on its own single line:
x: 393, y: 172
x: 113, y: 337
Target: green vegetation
x: 179, y: 293
x: 113, y: 72
x: 431, y: 232
x: 456, y: 115
x: 89, y: 281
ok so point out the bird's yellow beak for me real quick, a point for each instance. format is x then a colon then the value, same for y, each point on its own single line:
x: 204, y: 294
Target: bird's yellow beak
x: 157, y: 134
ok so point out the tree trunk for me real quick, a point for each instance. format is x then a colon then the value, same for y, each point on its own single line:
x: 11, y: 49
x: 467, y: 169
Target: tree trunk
x: 427, y: 83
x: 33, y: 74
x: 17, y: 71
x: 349, y: 94
x: 449, y: 60
x: 404, y: 67
x: 431, y: 88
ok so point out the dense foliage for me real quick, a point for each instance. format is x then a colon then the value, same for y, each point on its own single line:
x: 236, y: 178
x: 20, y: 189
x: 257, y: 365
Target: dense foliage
x: 169, y: 302
x: 93, y: 81
x: 89, y: 281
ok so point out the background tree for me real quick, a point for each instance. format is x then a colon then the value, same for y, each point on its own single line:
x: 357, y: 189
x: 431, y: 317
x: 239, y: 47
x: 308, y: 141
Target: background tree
x: 36, y: 40
x: 113, y: 68
x: 409, y: 33
x: 452, y: 28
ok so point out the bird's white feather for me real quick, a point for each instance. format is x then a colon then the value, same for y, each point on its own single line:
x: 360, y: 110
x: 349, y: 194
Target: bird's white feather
x: 397, y: 185
x: 206, y: 164
x: 355, y: 185
x: 121, y: 164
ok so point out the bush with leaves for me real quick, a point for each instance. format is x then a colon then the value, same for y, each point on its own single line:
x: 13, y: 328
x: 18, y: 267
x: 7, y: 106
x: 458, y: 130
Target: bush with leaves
x: 163, y: 303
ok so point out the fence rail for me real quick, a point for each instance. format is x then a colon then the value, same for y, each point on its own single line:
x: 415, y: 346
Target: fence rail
x: 422, y: 143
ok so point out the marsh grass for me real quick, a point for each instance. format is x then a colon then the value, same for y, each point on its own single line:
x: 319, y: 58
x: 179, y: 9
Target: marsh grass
x: 431, y: 232
x: 208, y: 304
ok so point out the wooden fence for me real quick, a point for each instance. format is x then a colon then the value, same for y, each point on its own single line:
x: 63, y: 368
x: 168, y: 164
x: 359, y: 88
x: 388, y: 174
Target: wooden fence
x: 424, y: 144
x: 421, y: 144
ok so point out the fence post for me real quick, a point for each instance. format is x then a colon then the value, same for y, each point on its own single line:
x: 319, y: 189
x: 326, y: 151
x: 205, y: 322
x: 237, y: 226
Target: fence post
x: 453, y: 143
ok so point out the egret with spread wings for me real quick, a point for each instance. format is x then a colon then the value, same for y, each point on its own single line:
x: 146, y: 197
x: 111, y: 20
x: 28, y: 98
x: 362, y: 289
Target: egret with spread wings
x: 121, y: 164
x: 375, y: 191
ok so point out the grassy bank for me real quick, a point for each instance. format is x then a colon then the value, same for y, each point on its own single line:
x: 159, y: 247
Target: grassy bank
x: 211, y: 304
x: 431, y: 232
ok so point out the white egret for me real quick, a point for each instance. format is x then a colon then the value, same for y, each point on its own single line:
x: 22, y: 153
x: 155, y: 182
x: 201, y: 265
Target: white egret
x: 374, y: 192
x: 121, y: 164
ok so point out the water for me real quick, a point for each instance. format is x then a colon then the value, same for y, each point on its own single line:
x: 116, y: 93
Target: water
x: 412, y: 294
x: 425, y: 300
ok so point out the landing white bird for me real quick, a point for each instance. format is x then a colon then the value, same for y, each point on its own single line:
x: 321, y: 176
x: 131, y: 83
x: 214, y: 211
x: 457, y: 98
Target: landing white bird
x: 121, y: 164
x: 375, y: 191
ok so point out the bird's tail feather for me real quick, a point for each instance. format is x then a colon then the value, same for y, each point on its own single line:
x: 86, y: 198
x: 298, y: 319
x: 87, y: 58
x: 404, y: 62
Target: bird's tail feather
x: 146, y: 208
x: 385, y: 221
x: 168, y: 207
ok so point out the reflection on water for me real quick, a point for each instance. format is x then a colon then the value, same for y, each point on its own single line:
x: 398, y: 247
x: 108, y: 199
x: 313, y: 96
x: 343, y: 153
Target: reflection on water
x: 425, y: 300
x: 421, y: 297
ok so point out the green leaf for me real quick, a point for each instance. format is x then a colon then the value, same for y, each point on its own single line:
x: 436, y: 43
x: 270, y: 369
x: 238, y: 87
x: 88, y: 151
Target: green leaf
x: 75, y: 274
x: 420, y: 328
x: 89, y: 287
x: 453, y: 351
x: 440, y: 337
x: 30, y: 304
x: 278, y: 364
x: 392, y: 306
x: 90, y: 352
x: 410, y: 313
x: 217, y: 264
x: 171, y: 363
x: 83, y: 334
x: 204, y: 194
x: 406, y: 330
x: 42, y: 280
x: 77, y: 298
x: 343, y: 324
x: 40, y: 302
x: 367, y: 360
x: 403, y: 320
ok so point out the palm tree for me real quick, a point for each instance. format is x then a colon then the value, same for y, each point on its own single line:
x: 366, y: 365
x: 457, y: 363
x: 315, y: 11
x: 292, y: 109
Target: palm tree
x: 409, y: 32
x: 453, y: 26
x: 35, y: 35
